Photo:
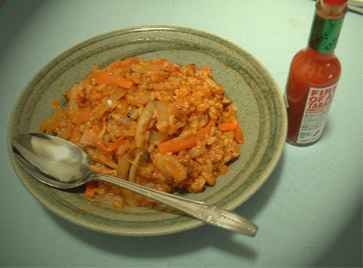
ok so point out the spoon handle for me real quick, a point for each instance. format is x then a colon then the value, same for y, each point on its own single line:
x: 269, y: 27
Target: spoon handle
x: 197, y: 209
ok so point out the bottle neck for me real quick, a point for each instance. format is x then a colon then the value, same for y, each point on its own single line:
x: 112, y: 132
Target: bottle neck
x: 326, y: 27
x: 329, y: 12
x: 312, y: 53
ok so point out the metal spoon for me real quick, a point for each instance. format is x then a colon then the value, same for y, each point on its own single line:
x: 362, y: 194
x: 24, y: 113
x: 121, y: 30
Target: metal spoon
x: 61, y: 164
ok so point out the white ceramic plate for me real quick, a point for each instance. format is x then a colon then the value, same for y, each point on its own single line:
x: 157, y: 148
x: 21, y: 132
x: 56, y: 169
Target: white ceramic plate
x: 262, y: 115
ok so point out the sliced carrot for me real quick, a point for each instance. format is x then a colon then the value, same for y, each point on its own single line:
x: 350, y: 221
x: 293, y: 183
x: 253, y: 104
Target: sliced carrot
x: 104, y: 147
x: 238, y: 135
x: 181, y: 143
x: 115, y: 80
x: 56, y: 106
x: 82, y: 117
x: 117, y: 143
x: 101, y: 144
x: 67, y: 93
x: 52, y: 122
x: 45, y: 123
x: 115, y: 64
x: 90, y: 189
x: 202, y: 133
x: 228, y: 126
x: 95, y: 68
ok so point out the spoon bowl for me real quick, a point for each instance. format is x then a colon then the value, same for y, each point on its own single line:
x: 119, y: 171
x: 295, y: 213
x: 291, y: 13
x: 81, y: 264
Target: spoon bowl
x: 55, y: 161
x: 61, y: 164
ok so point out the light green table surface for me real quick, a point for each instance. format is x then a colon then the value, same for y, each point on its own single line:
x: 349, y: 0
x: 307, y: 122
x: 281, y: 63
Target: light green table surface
x: 308, y: 212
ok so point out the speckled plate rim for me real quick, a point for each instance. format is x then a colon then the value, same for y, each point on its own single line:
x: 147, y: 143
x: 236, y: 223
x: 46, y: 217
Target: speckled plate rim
x: 256, y: 180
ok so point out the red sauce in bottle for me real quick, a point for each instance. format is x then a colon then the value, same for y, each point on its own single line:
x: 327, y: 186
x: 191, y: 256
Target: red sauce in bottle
x: 314, y: 74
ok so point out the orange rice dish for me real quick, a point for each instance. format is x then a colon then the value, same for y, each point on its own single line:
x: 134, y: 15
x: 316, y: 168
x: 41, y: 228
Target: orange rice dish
x: 154, y: 123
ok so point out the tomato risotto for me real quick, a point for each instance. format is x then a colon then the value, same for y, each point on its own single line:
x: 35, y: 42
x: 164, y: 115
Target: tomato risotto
x: 153, y: 123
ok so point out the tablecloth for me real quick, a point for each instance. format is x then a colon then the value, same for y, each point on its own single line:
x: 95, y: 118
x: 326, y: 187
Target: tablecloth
x: 309, y: 211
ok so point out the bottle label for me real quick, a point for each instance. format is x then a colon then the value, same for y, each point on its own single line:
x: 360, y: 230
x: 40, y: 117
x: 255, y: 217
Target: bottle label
x: 324, y: 34
x: 315, y: 113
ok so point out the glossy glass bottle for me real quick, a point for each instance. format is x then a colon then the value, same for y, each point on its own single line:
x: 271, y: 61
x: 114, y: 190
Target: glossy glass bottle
x: 314, y: 75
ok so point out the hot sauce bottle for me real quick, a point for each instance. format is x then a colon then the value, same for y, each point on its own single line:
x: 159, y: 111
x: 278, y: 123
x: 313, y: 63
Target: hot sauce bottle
x: 314, y: 75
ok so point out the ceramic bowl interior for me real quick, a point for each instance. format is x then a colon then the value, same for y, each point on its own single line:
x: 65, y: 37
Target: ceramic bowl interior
x: 262, y: 115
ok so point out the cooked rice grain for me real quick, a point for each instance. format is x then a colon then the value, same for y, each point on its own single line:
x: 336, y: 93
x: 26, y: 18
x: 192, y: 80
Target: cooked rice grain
x: 178, y: 114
